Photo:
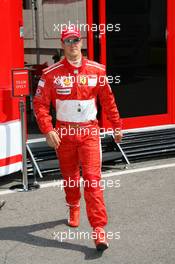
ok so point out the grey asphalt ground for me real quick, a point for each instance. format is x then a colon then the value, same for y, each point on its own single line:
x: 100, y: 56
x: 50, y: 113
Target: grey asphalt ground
x: 142, y: 209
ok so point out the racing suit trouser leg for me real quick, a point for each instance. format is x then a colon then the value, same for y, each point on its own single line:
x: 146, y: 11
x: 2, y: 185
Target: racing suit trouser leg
x: 90, y: 156
x: 69, y: 164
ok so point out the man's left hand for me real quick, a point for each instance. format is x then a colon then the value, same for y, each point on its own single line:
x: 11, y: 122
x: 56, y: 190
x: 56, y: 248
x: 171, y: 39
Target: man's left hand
x: 118, y: 136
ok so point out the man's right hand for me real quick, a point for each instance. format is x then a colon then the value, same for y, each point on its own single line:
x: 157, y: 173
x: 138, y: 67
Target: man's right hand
x: 53, y: 139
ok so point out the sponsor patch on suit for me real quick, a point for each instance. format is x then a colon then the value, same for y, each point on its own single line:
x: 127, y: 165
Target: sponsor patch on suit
x: 63, y: 91
x: 64, y: 81
x: 92, y: 80
x: 41, y: 83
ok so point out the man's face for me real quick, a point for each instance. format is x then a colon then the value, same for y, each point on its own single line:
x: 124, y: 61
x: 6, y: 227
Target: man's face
x: 72, y: 47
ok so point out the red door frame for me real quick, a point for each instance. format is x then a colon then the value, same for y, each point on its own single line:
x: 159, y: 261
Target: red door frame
x: 151, y: 120
x: 89, y: 19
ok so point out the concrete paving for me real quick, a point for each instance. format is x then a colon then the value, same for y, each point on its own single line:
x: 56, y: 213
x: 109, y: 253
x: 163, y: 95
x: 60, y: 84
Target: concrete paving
x: 141, y: 225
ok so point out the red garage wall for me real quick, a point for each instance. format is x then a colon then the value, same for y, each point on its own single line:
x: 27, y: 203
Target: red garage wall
x: 12, y: 56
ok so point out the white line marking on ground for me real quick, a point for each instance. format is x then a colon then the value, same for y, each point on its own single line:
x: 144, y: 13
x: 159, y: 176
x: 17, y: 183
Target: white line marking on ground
x: 6, y: 192
x: 156, y: 167
x: 59, y: 183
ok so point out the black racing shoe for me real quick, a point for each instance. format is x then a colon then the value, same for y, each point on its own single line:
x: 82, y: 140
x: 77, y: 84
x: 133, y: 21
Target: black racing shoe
x: 100, y: 240
x: 102, y: 246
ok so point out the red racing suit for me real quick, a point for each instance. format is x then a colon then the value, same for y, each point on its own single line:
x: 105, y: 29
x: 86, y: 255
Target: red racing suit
x: 73, y: 92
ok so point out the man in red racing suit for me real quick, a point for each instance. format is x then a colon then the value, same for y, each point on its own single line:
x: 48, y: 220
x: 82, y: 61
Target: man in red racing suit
x: 72, y: 85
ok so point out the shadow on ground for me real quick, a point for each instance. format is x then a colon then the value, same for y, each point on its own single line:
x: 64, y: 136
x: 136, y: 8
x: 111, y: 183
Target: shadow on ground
x: 24, y: 234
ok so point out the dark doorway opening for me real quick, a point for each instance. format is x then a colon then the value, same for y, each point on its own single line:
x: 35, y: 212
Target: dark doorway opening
x: 138, y: 54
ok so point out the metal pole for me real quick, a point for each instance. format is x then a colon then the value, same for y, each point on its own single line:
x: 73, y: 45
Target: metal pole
x: 123, y: 153
x: 34, y: 162
x: 121, y: 150
x: 24, y: 152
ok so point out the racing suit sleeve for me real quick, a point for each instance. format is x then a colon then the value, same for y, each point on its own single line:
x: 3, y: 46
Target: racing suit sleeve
x: 41, y: 102
x: 107, y: 102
